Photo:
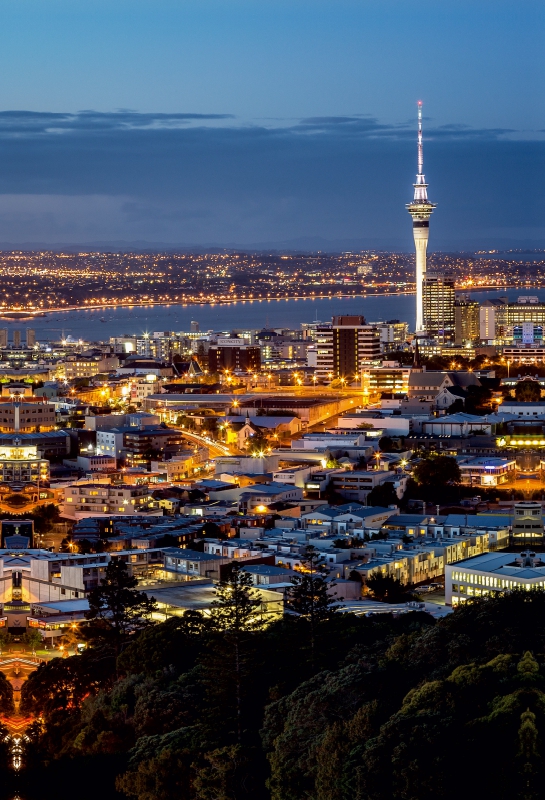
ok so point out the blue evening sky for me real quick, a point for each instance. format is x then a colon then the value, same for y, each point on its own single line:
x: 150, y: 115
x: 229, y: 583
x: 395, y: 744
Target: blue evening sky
x: 238, y: 121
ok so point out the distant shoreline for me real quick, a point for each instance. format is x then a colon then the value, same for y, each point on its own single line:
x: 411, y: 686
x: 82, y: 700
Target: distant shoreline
x: 17, y: 315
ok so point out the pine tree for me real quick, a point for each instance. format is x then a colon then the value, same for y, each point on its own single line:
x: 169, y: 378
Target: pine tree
x: 235, y: 616
x: 116, y: 607
x: 310, y: 596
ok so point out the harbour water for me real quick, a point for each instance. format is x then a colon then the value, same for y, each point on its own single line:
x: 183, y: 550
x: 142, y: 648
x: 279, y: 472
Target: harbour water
x: 99, y: 324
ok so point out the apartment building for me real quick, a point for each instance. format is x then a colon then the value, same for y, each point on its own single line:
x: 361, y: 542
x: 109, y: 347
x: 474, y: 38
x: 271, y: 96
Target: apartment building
x: 345, y: 346
x: 103, y: 499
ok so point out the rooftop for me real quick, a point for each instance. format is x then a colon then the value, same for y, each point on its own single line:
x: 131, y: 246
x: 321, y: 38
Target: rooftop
x: 189, y: 555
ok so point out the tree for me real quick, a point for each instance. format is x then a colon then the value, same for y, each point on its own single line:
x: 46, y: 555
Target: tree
x: 115, y: 606
x: 456, y: 407
x: 257, y: 444
x: 210, y: 425
x: 234, y: 616
x: 5, y: 639
x: 72, y: 638
x: 62, y: 684
x: 309, y: 596
x: 383, y: 495
x: 478, y: 399
x: 527, y: 391
x: 33, y: 639
x: 7, y: 706
x: 386, y: 444
x: 404, y: 357
x: 386, y: 588
x: 212, y: 530
x: 45, y: 516
x: 342, y: 544
x: 174, y: 643
x: 437, y: 471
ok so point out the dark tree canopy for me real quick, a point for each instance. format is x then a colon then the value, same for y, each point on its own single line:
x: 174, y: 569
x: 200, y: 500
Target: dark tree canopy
x: 383, y: 495
x: 437, y: 471
x: 116, y: 608
x: 229, y: 708
x: 527, y: 391
x: 386, y: 588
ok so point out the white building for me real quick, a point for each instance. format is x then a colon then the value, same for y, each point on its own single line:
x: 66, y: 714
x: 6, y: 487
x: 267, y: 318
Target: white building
x: 103, y: 500
x: 491, y: 573
x: 110, y: 443
x: 486, y: 470
x: 524, y: 410
x: 20, y: 463
x: 390, y: 424
x: 460, y: 424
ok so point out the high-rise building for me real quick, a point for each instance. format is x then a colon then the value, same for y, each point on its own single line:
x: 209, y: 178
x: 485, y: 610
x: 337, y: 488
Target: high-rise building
x: 493, y: 320
x: 325, y: 364
x: 438, y: 298
x: 30, y: 337
x: 420, y: 210
x: 345, y: 345
x: 498, y: 318
x: 16, y: 339
x: 526, y: 309
x: 393, y: 334
x: 234, y: 354
x: 3, y: 338
x: 466, y: 320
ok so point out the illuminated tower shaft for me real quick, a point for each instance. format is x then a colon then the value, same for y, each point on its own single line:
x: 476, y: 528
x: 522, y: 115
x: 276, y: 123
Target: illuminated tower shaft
x: 420, y: 210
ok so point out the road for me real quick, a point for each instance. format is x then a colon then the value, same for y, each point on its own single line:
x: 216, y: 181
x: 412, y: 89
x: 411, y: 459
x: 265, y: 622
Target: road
x: 215, y: 448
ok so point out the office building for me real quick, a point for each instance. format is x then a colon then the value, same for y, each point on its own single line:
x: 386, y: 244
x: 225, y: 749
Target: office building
x: 101, y: 499
x: 493, y: 320
x: 438, y: 298
x: 345, y: 346
x: 466, y: 321
x: 491, y: 573
x: 527, y: 525
x: 520, y: 322
x: 20, y: 464
x: 393, y: 334
x: 233, y: 354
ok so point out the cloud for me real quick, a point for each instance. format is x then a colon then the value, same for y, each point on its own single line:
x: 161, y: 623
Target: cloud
x: 21, y: 124
x: 212, y: 178
x: 34, y: 123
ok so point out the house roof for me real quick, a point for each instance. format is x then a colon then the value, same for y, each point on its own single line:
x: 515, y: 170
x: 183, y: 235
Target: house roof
x: 456, y: 419
x: 348, y: 508
x: 189, y: 555
x: 66, y: 606
x: 260, y: 421
x: 518, y: 404
x: 266, y: 569
x: 456, y: 391
x: 435, y: 379
x: 464, y: 379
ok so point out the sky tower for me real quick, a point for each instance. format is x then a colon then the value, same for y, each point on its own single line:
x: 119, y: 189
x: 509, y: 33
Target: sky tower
x: 420, y: 210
